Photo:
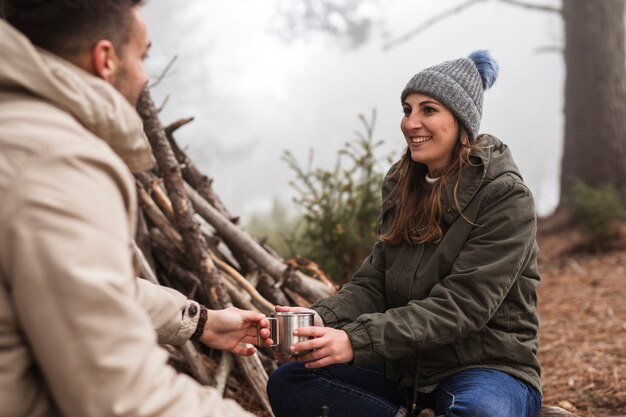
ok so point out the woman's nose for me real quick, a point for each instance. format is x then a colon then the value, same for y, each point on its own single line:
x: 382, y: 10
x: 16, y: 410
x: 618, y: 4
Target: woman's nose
x: 413, y: 121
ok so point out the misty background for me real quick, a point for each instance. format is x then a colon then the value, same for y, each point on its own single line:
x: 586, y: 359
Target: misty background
x: 260, y: 80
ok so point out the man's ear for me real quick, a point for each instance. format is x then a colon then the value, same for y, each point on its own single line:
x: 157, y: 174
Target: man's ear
x: 104, y: 60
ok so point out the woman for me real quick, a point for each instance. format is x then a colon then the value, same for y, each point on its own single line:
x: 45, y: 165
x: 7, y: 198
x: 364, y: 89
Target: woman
x: 442, y: 314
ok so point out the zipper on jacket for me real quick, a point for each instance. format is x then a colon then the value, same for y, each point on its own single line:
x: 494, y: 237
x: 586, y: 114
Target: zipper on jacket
x: 413, y: 267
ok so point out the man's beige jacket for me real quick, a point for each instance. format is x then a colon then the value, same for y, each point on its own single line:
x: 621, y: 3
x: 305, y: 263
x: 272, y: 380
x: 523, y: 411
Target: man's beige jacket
x: 77, y: 329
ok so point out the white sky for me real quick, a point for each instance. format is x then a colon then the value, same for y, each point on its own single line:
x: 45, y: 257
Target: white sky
x: 255, y: 96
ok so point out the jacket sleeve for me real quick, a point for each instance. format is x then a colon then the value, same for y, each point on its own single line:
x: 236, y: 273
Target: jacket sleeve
x: 364, y: 294
x: 464, y: 301
x: 169, y: 311
x: 66, y: 256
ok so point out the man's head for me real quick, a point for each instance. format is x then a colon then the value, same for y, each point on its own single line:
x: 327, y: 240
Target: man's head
x: 106, y: 38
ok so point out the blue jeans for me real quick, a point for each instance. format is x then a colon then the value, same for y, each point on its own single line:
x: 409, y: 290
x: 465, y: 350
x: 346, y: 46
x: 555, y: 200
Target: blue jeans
x: 352, y: 391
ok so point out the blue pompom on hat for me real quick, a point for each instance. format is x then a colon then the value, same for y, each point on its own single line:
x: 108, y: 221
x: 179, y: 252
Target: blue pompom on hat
x: 459, y: 85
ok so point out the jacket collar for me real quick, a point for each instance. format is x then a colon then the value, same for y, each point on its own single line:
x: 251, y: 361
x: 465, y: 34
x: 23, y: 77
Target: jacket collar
x: 94, y: 103
x: 472, y: 177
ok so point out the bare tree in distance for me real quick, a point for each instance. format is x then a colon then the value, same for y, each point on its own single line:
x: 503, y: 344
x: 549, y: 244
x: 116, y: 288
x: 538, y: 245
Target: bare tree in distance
x: 595, y: 88
x: 343, y: 19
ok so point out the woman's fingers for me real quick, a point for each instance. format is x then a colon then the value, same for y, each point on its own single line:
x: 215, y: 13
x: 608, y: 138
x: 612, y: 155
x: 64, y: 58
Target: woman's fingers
x: 311, y: 331
x: 325, y: 361
x: 310, y: 344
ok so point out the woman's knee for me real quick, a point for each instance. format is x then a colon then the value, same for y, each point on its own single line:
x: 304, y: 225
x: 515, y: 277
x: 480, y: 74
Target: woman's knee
x: 483, y: 393
x: 285, y: 376
x: 289, y: 389
x: 284, y: 380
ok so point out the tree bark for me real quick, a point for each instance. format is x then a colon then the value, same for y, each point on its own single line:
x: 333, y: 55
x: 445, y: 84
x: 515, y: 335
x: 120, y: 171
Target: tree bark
x: 595, y: 95
x: 193, y: 240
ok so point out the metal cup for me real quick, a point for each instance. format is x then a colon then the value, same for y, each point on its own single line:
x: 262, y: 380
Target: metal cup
x: 282, y: 325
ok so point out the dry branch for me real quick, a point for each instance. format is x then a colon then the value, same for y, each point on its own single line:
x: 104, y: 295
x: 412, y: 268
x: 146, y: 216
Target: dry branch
x: 554, y: 412
x: 193, y: 239
x: 422, y: 26
x: 310, y: 288
x: 175, y: 247
x: 531, y: 6
x: 428, y: 23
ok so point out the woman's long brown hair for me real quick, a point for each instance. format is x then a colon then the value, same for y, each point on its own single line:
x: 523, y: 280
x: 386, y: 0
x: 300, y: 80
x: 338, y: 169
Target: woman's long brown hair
x: 417, y: 215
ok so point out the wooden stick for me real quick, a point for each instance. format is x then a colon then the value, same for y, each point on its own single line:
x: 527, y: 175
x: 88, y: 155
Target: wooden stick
x: 308, y: 287
x: 166, y: 245
x: 193, y: 359
x: 223, y: 371
x: 204, y: 186
x: 157, y: 217
x: 267, y: 307
x: 191, y: 173
x: 309, y: 265
x: 193, y: 240
x: 145, y: 268
x: 239, y: 298
x: 256, y: 377
x: 554, y: 412
x: 298, y: 300
x: 188, y: 349
x: 270, y: 291
x: 142, y: 238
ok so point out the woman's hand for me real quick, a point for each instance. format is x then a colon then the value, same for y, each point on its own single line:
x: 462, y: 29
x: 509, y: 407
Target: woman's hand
x: 317, y: 320
x: 329, y: 346
x: 231, y: 328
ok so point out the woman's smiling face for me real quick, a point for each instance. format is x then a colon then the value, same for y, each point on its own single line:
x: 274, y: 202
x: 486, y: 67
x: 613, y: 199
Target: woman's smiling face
x: 430, y: 131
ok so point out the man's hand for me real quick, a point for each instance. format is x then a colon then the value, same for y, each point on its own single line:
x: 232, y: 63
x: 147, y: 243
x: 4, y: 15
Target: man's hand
x: 329, y: 346
x: 228, y: 329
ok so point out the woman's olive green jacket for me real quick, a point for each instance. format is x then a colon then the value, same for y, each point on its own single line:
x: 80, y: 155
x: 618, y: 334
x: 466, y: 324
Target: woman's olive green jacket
x: 430, y: 310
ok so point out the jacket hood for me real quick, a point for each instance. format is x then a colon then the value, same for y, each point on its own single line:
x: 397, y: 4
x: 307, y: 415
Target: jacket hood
x: 496, y: 158
x: 491, y: 159
x: 94, y: 103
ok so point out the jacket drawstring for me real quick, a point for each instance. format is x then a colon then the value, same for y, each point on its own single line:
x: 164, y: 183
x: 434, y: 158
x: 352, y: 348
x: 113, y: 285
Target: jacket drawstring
x: 416, y: 383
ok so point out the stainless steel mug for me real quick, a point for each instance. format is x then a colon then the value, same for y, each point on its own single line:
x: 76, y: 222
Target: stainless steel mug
x: 282, y: 325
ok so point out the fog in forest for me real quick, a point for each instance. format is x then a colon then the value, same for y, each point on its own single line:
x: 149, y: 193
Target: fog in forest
x: 258, y: 85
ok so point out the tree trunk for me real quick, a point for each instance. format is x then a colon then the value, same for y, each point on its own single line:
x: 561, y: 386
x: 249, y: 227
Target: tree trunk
x: 595, y: 95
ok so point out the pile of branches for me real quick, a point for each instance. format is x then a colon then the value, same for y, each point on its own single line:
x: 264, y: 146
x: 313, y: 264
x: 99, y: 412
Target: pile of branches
x: 186, y: 239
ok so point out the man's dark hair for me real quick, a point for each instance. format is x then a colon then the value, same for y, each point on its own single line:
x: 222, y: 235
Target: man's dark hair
x: 70, y: 28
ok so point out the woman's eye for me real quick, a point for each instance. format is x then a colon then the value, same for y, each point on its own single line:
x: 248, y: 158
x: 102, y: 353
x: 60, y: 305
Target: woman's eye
x: 406, y: 111
x: 429, y: 109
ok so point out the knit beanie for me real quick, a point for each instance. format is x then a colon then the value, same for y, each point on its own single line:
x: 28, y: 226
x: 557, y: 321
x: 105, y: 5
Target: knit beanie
x: 458, y: 85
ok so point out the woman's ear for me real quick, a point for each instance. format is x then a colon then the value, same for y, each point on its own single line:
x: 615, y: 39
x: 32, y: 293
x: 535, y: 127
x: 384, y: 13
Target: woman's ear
x: 104, y: 60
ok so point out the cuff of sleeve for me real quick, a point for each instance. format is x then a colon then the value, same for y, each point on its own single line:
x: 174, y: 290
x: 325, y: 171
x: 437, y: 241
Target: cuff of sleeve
x: 362, y: 348
x: 327, y: 315
x: 190, y: 322
x: 202, y: 318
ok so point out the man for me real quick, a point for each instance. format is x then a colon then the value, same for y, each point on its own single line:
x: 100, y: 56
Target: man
x: 77, y: 330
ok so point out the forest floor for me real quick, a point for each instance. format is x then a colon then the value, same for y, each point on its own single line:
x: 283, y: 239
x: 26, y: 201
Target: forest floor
x: 582, y: 305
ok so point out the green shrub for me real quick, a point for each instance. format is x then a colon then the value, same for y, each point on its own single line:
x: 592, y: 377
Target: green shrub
x: 340, y: 206
x: 596, y: 210
x: 278, y: 228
